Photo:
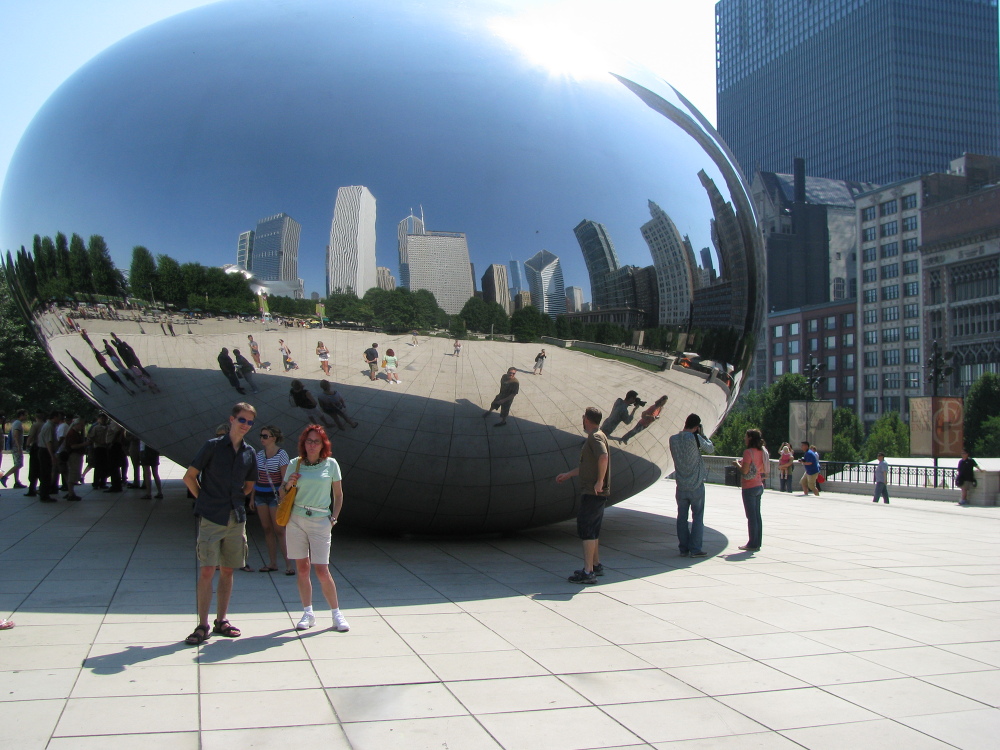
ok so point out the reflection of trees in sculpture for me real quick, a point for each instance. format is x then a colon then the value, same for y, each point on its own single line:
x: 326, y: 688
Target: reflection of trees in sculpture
x: 485, y: 317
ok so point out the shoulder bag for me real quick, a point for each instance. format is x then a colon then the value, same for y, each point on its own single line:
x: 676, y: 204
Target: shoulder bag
x: 284, y: 511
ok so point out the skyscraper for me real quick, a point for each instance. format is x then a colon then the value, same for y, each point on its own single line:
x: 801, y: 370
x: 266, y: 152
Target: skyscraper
x: 495, y: 287
x: 439, y: 263
x: 865, y: 90
x: 545, y: 281
x: 516, y: 284
x: 574, y: 299
x: 601, y: 259
x: 674, y: 264
x: 244, y: 251
x: 409, y: 226
x: 384, y: 279
x: 350, y: 256
x: 276, y: 249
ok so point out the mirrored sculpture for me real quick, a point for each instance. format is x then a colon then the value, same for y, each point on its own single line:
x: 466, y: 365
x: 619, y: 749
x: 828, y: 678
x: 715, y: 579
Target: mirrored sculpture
x: 424, y: 133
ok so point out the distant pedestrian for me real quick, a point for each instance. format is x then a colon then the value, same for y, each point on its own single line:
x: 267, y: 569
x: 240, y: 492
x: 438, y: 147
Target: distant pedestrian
x: 594, y: 471
x: 31, y: 441
x: 303, y: 399
x: 228, y: 368
x: 649, y: 416
x: 47, y: 462
x: 539, y: 362
x: 323, y: 354
x: 286, y: 356
x: 255, y: 353
x: 75, y: 446
x: 246, y: 370
x: 227, y: 467
x: 881, y: 480
x: 371, y: 359
x: 509, y: 387
x: 149, y: 458
x: 785, y: 464
x: 391, y: 363
x: 690, y: 472
x: 811, y: 462
x: 620, y: 412
x: 457, y: 347
x: 16, y: 436
x: 753, y: 468
x: 413, y: 338
x: 966, y: 476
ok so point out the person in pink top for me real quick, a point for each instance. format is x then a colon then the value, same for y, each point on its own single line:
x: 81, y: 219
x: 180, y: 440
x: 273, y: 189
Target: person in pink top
x: 753, y: 467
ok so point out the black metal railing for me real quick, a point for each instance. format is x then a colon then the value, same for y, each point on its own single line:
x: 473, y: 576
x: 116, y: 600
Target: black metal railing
x: 843, y: 471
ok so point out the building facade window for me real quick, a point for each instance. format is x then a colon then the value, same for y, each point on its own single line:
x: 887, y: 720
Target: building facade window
x: 871, y: 295
x: 911, y: 288
x: 890, y: 292
x: 909, y: 201
x: 848, y: 382
x: 793, y: 365
x: 812, y: 325
x: 871, y: 359
x: 848, y: 361
x: 888, y: 208
x: 868, y: 213
x: 890, y: 313
x: 778, y: 332
x: 793, y: 329
x: 871, y: 338
x: 910, y: 245
x: 912, y: 379
x: 868, y: 234
x: 847, y: 320
x: 890, y: 335
x: 911, y: 310
x: 871, y: 382
x: 892, y: 403
x: 913, y: 355
x: 890, y: 270
x: 911, y: 333
x: 869, y: 254
x: 890, y: 357
x: 793, y: 347
x: 890, y: 250
x: 871, y: 404
x: 871, y: 316
x: 892, y: 380
x: 890, y: 229
x: 909, y: 223
x: 911, y: 267
x: 869, y: 275
x: 778, y: 367
x: 831, y: 363
x: 830, y: 342
x: 779, y: 349
x: 847, y: 340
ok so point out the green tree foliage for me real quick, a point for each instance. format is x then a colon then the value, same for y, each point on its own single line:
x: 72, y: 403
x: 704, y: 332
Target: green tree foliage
x: 170, y: 282
x: 474, y: 316
x: 28, y: 378
x: 889, y: 435
x: 79, y: 266
x: 107, y: 279
x: 457, y: 328
x: 981, y: 404
x: 848, y: 435
x: 774, y: 423
x: 528, y: 324
x: 142, y: 277
x: 748, y: 413
x: 988, y: 444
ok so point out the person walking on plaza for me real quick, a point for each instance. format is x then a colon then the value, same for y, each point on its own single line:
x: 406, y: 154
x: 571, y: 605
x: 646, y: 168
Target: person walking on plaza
x: 785, y: 462
x: 371, y: 359
x: 323, y: 354
x: 228, y: 467
x: 509, y: 387
x: 413, y: 337
x: 881, y: 480
x: 32, y: 442
x: 333, y: 404
x: 228, y: 368
x: 686, y: 448
x: 271, y: 463
x: 47, y: 463
x: 319, y: 499
x: 649, y: 416
x: 966, y: 477
x: 753, y: 468
x: 391, y: 363
x: 16, y: 450
x: 811, y: 461
x: 245, y: 369
x: 255, y: 353
x: 457, y: 346
x: 620, y: 413
x: 539, y: 362
x: 594, y: 471
x: 286, y: 356
x: 299, y: 396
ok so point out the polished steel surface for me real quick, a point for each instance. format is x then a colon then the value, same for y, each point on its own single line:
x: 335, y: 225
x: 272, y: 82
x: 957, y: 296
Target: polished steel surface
x: 181, y: 136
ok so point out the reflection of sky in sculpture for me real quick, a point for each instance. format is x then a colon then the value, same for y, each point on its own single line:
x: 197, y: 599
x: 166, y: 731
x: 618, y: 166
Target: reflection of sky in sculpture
x: 187, y: 133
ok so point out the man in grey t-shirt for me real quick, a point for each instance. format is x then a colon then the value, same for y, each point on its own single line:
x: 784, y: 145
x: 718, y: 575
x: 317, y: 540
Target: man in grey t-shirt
x: 687, y: 447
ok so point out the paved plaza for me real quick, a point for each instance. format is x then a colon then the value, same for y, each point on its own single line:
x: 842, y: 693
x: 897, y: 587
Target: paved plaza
x: 856, y: 626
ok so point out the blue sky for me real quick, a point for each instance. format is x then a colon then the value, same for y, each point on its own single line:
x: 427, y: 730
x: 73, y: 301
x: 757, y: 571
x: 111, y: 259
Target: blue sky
x: 187, y: 185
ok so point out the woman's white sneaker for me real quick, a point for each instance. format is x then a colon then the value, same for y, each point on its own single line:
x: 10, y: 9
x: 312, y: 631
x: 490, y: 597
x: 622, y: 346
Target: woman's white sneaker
x: 340, y: 622
x: 307, y: 621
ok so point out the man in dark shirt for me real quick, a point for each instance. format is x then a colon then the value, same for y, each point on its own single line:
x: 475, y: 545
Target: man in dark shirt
x: 371, y: 359
x: 228, y: 368
x: 228, y: 467
x: 595, y: 486
x: 509, y: 387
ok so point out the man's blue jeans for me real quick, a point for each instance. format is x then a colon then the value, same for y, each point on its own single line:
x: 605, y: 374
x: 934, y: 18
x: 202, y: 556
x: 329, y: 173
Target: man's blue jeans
x: 695, y: 501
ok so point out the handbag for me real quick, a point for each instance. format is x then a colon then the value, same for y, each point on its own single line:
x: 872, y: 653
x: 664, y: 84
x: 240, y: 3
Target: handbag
x: 820, y: 479
x: 384, y: 364
x: 284, y: 511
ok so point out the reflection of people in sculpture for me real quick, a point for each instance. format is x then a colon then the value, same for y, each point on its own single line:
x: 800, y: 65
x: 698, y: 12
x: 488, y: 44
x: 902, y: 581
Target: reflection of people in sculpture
x: 113, y: 355
x: 85, y: 371
x: 649, y: 416
x: 271, y: 463
x: 111, y: 373
x: 509, y: 387
x: 128, y: 354
x: 413, y: 337
x: 457, y: 347
x: 303, y: 399
x: 371, y: 359
x: 332, y: 403
x: 228, y: 368
x: 595, y: 487
x: 286, y: 356
x: 245, y: 369
x: 255, y: 353
x: 966, y: 477
x: 539, y: 362
x: 324, y: 357
x: 391, y: 362
x: 620, y: 413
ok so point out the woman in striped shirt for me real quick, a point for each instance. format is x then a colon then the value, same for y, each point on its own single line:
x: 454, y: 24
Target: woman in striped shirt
x: 271, y: 463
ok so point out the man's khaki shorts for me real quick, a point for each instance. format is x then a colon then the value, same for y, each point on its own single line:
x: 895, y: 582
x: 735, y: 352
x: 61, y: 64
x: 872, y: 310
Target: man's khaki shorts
x: 225, y: 546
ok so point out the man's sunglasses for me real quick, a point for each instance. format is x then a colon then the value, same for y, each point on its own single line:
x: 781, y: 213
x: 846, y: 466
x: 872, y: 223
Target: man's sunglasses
x: 244, y: 420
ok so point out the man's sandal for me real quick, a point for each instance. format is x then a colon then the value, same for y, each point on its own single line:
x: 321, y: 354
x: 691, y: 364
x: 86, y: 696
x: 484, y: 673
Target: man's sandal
x: 199, y: 636
x: 226, y: 629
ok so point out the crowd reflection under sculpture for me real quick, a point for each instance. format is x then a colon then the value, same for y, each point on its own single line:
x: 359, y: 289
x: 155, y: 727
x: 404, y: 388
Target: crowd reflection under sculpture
x: 437, y: 108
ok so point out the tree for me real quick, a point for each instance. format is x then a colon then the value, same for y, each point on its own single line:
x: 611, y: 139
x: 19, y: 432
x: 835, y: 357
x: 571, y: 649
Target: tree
x: 457, y: 328
x: 746, y: 414
x: 848, y: 435
x: 79, y: 266
x: 889, y: 435
x: 142, y: 276
x: 774, y: 422
x: 170, y: 286
x: 107, y: 279
x: 988, y: 445
x: 475, y: 315
x: 982, y: 403
x: 527, y: 324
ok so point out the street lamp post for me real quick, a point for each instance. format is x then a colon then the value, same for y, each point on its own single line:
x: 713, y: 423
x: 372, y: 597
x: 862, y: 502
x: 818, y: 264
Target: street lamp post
x: 814, y: 376
x: 939, y: 368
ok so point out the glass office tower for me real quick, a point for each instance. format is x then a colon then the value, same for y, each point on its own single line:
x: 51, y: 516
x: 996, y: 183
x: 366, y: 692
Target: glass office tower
x: 867, y: 90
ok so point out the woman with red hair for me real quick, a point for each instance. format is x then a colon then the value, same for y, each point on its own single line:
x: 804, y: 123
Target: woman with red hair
x: 318, y: 502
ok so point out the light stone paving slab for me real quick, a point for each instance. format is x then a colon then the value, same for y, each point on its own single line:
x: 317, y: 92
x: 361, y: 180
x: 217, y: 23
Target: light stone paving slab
x: 837, y: 634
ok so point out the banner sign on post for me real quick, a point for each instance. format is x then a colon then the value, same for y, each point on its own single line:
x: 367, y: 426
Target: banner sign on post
x: 812, y: 422
x: 936, y: 426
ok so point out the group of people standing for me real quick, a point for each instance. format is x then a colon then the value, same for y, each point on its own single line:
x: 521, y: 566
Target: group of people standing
x: 225, y: 470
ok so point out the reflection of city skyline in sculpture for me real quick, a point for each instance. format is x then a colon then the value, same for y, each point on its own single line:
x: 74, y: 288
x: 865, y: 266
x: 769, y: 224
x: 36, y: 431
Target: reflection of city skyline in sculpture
x: 409, y: 226
x: 601, y: 260
x: 673, y: 260
x: 273, y: 252
x: 495, y: 287
x: 384, y: 279
x: 350, y: 254
x: 439, y: 263
x: 545, y: 281
x: 516, y: 284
